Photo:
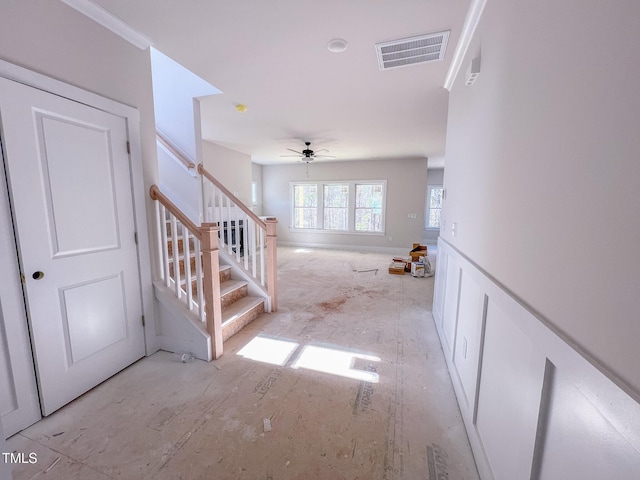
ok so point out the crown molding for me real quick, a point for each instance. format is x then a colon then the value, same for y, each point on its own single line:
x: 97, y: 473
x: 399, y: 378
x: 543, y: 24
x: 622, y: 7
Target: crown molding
x: 470, y: 24
x: 111, y: 22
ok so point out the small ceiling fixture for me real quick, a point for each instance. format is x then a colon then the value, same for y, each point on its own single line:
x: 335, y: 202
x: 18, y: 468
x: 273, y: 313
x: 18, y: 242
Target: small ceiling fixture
x: 241, y: 108
x: 337, y: 45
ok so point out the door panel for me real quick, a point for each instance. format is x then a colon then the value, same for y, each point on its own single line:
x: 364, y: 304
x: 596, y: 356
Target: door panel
x: 69, y: 172
x: 92, y: 164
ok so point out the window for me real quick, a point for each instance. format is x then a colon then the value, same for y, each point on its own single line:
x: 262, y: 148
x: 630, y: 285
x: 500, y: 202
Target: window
x: 434, y: 205
x: 336, y: 203
x: 254, y: 193
x: 339, y: 207
x: 369, y: 208
x: 305, y: 206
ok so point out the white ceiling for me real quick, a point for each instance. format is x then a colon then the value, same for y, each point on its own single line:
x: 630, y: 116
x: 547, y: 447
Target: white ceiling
x: 272, y: 56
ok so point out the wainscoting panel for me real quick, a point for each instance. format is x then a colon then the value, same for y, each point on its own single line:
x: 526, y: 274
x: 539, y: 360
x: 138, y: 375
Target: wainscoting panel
x: 533, y: 406
x: 450, y: 311
x: 466, y: 356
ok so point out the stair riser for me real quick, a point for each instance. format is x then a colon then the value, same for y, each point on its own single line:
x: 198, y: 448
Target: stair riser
x: 234, y: 295
x: 238, y: 324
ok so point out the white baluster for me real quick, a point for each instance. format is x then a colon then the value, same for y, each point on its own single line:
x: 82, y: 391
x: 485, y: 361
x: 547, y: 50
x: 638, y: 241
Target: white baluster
x: 165, y: 246
x: 199, y: 289
x: 187, y: 266
x: 176, y: 264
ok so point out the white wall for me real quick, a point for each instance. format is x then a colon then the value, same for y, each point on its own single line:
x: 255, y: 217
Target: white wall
x: 536, y: 308
x: 406, y: 184
x: 256, y: 176
x: 557, y: 92
x: 231, y: 168
x: 174, y: 88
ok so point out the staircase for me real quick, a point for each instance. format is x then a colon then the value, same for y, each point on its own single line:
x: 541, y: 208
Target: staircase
x: 222, y: 272
x: 238, y: 307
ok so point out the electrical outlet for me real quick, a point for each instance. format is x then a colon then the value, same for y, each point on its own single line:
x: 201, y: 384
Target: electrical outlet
x: 390, y: 238
x: 454, y: 229
x: 412, y: 215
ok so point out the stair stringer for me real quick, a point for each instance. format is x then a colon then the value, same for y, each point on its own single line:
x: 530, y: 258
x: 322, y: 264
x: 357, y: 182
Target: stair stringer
x: 237, y: 272
x: 178, y: 329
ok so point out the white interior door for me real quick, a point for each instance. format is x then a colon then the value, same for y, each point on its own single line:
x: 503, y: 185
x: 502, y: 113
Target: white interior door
x: 70, y: 187
x: 19, y: 405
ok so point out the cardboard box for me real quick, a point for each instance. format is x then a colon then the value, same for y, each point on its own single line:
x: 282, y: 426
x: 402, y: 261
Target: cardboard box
x: 397, y: 268
x: 418, y: 251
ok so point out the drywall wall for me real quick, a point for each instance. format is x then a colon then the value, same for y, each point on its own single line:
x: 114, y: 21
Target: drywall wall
x: 406, y: 185
x: 174, y: 90
x: 53, y: 39
x: 256, y: 176
x: 231, y: 168
x: 541, y: 104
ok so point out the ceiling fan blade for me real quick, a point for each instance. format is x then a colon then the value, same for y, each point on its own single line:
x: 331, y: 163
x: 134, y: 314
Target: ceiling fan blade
x: 324, y: 156
x: 291, y: 156
x: 295, y: 151
x: 323, y: 150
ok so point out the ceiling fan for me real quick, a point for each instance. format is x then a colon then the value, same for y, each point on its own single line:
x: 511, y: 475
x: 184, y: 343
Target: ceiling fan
x: 307, y: 155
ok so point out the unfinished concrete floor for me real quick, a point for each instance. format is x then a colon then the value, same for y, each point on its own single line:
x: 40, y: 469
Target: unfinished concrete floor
x: 346, y: 380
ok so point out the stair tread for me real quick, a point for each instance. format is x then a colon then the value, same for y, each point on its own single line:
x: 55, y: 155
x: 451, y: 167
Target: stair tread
x: 231, y: 285
x: 240, y: 307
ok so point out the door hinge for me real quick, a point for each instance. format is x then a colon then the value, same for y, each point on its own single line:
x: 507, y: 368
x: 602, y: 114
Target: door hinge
x: 143, y: 321
x: 129, y: 147
x: 22, y: 279
x: 135, y: 237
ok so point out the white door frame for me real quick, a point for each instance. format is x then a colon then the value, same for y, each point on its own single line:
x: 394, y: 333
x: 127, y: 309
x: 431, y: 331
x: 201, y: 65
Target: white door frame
x: 132, y: 116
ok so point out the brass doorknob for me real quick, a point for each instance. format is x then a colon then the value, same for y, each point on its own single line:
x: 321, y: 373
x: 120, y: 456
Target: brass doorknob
x: 37, y: 275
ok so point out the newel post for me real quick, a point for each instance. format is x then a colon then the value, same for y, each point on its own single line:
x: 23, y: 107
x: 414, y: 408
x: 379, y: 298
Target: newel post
x: 272, y: 262
x: 211, y: 280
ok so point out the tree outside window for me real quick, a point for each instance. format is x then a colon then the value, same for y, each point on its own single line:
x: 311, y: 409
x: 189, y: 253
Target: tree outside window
x: 336, y: 203
x: 305, y: 206
x: 342, y: 207
x: 434, y: 206
x: 369, y: 208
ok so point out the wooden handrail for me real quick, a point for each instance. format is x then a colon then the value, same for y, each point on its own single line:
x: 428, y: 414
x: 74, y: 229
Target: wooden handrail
x: 204, y: 172
x: 174, y: 151
x: 156, y: 194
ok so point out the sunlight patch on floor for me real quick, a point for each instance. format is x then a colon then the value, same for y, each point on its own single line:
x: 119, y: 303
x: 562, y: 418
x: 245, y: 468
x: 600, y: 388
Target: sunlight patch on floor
x: 335, y: 362
x: 269, y: 350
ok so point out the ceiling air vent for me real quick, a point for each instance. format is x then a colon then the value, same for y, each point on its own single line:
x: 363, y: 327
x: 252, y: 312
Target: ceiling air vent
x: 411, y: 51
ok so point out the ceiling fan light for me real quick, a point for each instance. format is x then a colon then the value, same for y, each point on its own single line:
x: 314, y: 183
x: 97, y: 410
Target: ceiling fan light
x: 337, y: 45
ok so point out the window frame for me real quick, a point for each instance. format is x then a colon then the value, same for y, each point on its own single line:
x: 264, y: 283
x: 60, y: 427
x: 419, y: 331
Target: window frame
x: 320, y: 184
x: 429, y: 208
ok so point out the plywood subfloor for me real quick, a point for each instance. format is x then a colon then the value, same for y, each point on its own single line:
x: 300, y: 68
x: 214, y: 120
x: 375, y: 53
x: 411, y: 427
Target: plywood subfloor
x: 346, y: 381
